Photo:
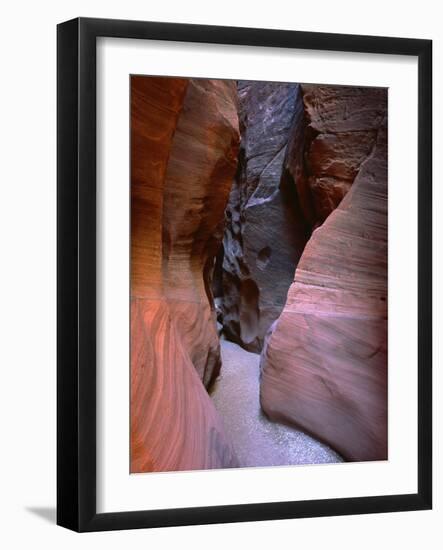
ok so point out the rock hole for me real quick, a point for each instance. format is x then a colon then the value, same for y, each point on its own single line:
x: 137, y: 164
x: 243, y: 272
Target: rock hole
x: 263, y: 257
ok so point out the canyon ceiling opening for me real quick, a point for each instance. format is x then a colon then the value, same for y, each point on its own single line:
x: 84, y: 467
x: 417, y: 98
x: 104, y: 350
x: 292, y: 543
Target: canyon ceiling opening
x: 258, y: 274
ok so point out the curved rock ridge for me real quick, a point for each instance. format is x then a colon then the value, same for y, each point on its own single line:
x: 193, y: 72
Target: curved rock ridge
x: 155, y: 107
x: 324, y: 365
x: 265, y: 231
x: 185, y: 140
x: 202, y: 163
x: 174, y: 425
x: 341, y: 125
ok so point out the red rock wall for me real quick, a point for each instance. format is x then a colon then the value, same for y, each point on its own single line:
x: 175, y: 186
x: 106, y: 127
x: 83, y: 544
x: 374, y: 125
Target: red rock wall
x: 184, y: 152
x: 340, y: 130
x: 324, y: 365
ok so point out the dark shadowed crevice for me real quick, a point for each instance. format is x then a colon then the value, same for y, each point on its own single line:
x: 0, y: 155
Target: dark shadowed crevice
x: 265, y: 231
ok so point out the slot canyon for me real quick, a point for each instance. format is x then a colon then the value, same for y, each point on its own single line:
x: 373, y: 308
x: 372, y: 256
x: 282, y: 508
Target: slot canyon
x: 258, y: 274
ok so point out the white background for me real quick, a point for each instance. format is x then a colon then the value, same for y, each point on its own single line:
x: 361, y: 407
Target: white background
x: 27, y: 229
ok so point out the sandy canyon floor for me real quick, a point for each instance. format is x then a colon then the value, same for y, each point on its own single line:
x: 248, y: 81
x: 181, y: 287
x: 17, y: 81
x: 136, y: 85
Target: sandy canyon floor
x: 258, y: 441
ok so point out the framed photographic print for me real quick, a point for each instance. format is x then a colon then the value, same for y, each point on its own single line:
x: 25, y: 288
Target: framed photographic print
x: 244, y: 274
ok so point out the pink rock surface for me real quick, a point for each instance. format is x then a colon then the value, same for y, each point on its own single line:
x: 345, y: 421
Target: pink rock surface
x: 174, y: 425
x: 324, y: 365
x: 340, y: 131
x: 185, y: 141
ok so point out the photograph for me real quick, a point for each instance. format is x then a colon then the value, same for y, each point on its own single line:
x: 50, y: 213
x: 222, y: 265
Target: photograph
x: 258, y: 274
x: 222, y: 319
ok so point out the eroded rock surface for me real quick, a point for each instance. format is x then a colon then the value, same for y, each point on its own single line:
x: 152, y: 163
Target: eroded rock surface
x: 265, y: 231
x: 301, y: 149
x: 324, y: 365
x: 185, y: 145
x: 340, y: 131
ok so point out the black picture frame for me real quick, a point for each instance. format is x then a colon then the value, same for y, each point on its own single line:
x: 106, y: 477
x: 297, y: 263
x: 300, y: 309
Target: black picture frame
x: 76, y: 268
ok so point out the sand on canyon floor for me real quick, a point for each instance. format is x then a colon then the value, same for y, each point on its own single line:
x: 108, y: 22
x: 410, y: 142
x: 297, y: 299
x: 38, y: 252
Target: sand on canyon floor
x: 258, y: 441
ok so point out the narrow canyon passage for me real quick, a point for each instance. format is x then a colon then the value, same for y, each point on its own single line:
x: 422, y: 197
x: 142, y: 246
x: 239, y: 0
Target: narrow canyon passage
x: 302, y: 280
x: 258, y: 213
x: 256, y: 440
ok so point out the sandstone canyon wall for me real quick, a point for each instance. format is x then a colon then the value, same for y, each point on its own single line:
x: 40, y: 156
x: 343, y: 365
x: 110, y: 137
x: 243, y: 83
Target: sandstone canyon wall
x: 341, y: 124
x: 185, y: 138
x: 305, y: 191
x: 265, y: 230
x: 301, y: 149
x: 324, y: 364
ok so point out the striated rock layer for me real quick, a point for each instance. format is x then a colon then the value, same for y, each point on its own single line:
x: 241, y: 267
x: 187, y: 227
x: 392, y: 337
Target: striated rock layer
x: 324, y: 365
x: 340, y: 131
x: 184, y: 152
x: 265, y: 231
x: 301, y: 149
